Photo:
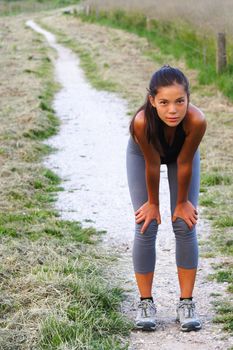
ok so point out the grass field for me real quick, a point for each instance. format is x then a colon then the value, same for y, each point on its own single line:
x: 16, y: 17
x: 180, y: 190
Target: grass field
x: 208, y: 15
x: 14, y: 7
x: 176, y: 37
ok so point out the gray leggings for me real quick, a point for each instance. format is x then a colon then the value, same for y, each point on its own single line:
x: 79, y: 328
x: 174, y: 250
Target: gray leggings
x: 144, y: 255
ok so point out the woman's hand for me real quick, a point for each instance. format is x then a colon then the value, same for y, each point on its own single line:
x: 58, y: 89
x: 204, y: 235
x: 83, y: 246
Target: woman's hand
x: 187, y: 212
x: 147, y: 212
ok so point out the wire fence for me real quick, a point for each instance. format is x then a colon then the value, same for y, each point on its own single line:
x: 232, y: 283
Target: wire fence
x: 214, y: 47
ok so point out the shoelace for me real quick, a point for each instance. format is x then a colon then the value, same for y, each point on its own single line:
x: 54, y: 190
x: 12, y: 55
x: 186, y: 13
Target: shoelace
x: 134, y: 304
x: 190, y: 307
x: 146, y: 307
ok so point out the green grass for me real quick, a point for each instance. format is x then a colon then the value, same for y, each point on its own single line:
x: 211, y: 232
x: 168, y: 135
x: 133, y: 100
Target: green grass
x: 212, y: 179
x: 216, y: 197
x: 224, y: 309
x: 224, y: 221
x: 224, y: 273
x: 207, y: 201
x: 225, y: 276
x: 91, y: 319
x: 221, y: 241
x: 224, y: 315
x: 49, y: 123
x: 178, y: 39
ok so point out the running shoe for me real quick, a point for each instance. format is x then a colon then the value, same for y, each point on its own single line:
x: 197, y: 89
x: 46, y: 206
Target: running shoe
x: 146, y: 311
x: 187, y: 317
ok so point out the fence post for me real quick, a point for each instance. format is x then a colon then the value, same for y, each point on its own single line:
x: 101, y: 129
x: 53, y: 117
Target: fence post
x: 204, y: 55
x: 148, y: 23
x: 221, y: 53
x: 97, y: 13
x: 87, y: 10
x: 204, y: 50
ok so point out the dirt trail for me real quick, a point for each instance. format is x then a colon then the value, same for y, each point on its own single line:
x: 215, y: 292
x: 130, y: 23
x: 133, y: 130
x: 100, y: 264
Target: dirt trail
x: 91, y: 159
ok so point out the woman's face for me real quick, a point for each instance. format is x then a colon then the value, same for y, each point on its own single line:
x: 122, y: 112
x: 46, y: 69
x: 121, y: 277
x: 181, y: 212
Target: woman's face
x: 171, y: 103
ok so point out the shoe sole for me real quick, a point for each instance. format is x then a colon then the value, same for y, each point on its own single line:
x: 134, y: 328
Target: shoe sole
x: 147, y: 326
x: 189, y: 327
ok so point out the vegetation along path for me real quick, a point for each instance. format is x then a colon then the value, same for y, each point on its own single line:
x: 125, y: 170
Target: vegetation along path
x: 91, y: 158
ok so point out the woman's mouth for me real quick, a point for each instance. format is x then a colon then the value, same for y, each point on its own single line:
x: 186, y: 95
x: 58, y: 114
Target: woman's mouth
x: 172, y: 120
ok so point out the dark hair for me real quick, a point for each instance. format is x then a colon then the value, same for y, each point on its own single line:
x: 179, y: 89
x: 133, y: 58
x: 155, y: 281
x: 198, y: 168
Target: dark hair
x: 165, y: 76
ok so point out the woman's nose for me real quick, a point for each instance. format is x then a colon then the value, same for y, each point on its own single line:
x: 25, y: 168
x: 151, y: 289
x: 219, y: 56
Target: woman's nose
x: 172, y: 108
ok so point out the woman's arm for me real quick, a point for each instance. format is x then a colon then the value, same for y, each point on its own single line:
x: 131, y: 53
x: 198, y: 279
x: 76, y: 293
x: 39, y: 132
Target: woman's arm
x: 152, y: 173
x: 152, y: 159
x: 196, y: 126
x: 150, y: 209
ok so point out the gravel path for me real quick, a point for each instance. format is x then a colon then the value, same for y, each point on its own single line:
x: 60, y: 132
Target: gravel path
x: 91, y: 148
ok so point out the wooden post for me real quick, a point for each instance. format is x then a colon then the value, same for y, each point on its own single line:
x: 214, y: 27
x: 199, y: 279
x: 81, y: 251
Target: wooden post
x: 91, y: 10
x: 148, y: 23
x: 87, y: 10
x: 221, y: 53
x: 204, y: 55
x: 204, y: 51
x: 97, y: 12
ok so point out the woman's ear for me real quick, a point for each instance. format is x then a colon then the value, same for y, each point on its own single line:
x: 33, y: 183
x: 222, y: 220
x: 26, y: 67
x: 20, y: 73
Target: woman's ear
x: 151, y: 99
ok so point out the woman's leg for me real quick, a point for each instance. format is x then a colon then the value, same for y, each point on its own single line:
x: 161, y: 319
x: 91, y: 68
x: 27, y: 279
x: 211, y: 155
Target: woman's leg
x: 144, y: 255
x: 186, y: 239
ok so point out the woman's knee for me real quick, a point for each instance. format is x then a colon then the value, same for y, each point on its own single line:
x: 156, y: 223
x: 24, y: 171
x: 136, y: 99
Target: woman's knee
x: 186, y: 245
x: 144, y: 254
x: 149, y: 233
x: 180, y: 228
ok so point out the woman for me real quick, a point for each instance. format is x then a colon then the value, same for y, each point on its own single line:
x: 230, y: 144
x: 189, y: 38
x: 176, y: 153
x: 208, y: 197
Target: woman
x: 167, y: 129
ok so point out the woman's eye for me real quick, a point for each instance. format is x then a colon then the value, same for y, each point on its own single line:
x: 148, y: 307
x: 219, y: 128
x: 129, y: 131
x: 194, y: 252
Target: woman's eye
x: 181, y: 101
x: 163, y: 102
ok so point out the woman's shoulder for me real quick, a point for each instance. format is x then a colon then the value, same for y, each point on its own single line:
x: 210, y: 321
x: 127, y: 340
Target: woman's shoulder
x: 139, y: 123
x: 140, y: 120
x: 195, y: 118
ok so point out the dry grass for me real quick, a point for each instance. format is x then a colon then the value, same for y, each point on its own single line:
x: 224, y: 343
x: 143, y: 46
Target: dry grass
x: 29, y: 294
x: 210, y: 15
x: 19, y: 91
x: 12, y: 7
x: 25, y: 299
x: 38, y: 282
